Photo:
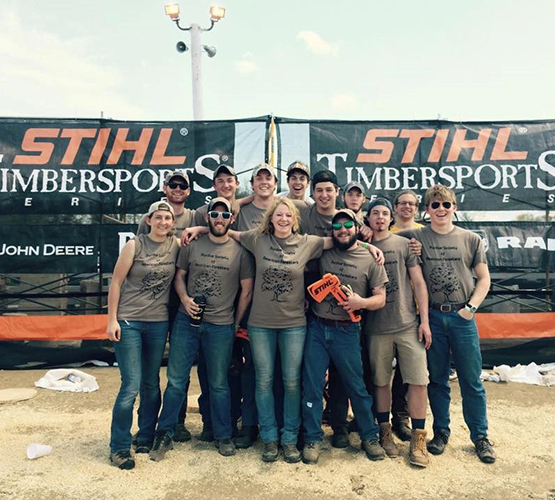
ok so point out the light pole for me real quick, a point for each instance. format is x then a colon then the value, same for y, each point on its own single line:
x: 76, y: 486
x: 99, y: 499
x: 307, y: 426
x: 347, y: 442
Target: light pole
x: 216, y: 13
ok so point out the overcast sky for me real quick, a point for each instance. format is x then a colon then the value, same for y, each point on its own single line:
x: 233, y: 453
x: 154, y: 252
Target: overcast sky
x: 359, y: 59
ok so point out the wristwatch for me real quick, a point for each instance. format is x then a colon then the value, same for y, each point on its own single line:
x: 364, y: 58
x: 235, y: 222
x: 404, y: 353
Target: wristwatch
x: 471, y: 308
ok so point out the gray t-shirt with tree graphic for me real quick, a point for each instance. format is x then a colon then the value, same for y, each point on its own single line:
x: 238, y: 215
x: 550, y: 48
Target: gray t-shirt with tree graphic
x: 399, y: 312
x: 354, y: 267
x: 215, y: 270
x: 278, y: 298
x: 448, y: 261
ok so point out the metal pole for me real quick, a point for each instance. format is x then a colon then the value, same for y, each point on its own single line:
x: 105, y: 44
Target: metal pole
x: 196, y: 69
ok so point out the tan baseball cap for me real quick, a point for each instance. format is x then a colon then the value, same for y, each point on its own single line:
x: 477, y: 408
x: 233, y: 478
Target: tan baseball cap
x: 226, y: 169
x: 160, y: 205
x: 346, y: 212
x: 263, y: 166
x: 176, y: 173
x: 219, y: 201
x: 300, y: 166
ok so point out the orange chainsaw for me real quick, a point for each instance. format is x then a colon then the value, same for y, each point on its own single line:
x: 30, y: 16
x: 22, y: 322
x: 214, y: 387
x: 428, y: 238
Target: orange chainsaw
x: 330, y: 283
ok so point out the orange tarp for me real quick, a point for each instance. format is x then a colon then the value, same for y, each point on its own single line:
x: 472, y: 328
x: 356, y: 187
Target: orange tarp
x: 93, y: 327
x: 89, y: 327
x: 516, y: 326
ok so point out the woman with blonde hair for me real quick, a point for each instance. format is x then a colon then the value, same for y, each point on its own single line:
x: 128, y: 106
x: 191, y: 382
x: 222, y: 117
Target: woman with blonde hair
x: 277, y: 318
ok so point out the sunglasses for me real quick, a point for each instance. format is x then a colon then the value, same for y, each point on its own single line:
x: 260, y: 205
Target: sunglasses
x: 347, y: 225
x: 436, y: 204
x: 214, y: 214
x: 175, y: 185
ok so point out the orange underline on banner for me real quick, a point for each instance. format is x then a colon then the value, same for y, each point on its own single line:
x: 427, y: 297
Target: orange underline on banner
x: 516, y: 326
x: 93, y: 327
x: 86, y: 327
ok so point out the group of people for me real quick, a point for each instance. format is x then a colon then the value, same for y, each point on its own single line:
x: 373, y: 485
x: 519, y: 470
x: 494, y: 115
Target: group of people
x: 404, y: 294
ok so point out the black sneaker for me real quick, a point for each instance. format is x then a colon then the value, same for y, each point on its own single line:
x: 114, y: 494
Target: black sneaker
x: 226, y: 447
x: 402, y: 429
x: 270, y: 451
x: 340, y: 438
x: 122, y: 459
x: 484, y: 450
x: 143, y: 447
x: 182, y: 434
x: 162, y: 443
x: 207, y: 434
x: 436, y: 446
x: 246, y: 437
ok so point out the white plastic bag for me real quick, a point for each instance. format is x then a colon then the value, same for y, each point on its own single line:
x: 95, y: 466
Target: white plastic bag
x: 68, y: 379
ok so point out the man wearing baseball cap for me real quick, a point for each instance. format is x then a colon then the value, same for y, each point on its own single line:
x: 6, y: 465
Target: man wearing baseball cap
x: 317, y: 220
x: 354, y: 198
x: 225, y: 184
x: 263, y: 182
x: 397, y: 329
x: 332, y: 335
x: 298, y: 177
x: 217, y: 268
x: 176, y: 190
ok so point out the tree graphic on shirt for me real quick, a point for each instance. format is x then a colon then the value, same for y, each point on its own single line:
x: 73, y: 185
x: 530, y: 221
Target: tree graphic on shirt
x: 155, y: 283
x: 208, y: 283
x: 444, y: 279
x: 278, y: 281
x: 391, y: 287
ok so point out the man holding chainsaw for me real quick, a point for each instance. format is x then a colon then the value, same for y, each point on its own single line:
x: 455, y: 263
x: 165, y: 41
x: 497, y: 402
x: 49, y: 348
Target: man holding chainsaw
x: 333, y: 334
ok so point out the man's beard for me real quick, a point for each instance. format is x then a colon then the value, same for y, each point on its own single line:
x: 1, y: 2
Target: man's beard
x: 344, y: 246
x: 217, y: 232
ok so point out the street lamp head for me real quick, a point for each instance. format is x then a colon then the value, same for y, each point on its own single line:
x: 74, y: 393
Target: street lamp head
x: 172, y: 10
x: 216, y: 13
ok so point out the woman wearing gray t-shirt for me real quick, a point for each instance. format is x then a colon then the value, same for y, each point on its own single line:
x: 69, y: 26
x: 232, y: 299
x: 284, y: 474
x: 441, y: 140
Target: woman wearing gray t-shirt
x: 277, y: 318
x: 138, y: 326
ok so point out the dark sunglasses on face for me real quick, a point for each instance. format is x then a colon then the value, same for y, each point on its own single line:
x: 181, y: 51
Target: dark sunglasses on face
x: 180, y: 185
x: 347, y: 225
x: 446, y: 204
x: 214, y: 214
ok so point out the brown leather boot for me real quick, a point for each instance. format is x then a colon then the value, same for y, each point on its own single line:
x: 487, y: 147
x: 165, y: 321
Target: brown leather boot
x: 418, y: 454
x: 386, y: 440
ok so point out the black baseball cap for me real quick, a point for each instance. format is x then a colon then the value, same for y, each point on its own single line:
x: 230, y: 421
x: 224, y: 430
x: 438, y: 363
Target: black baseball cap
x: 324, y: 176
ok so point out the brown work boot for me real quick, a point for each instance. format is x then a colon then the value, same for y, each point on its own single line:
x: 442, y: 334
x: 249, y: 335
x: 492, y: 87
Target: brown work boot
x: 386, y: 440
x: 418, y: 454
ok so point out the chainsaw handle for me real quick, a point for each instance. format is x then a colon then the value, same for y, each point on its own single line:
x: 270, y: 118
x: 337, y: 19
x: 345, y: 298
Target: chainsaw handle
x: 341, y: 296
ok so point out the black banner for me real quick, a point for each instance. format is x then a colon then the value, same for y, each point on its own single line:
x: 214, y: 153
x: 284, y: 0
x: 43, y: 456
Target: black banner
x: 49, y: 249
x: 89, y: 248
x: 517, y: 245
x: 109, y: 167
x: 490, y: 166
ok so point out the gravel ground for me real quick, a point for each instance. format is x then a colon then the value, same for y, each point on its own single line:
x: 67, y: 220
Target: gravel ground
x: 522, y: 423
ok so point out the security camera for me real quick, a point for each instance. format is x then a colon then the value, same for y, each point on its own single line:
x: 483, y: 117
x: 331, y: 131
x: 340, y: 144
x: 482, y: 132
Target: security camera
x: 181, y: 47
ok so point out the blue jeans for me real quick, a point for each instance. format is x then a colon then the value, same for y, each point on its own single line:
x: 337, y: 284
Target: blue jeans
x: 264, y: 343
x: 186, y: 340
x: 341, y: 344
x: 453, y: 334
x: 139, y: 354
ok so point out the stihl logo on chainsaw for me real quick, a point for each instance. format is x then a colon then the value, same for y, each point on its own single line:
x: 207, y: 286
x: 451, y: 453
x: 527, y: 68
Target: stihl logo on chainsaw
x: 330, y: 283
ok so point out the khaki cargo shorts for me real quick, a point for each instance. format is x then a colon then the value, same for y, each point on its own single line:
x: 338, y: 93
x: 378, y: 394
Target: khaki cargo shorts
x: 411, y: 357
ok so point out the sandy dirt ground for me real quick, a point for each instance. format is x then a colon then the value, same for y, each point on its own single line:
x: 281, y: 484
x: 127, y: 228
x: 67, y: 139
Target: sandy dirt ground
x: 522, y: 423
